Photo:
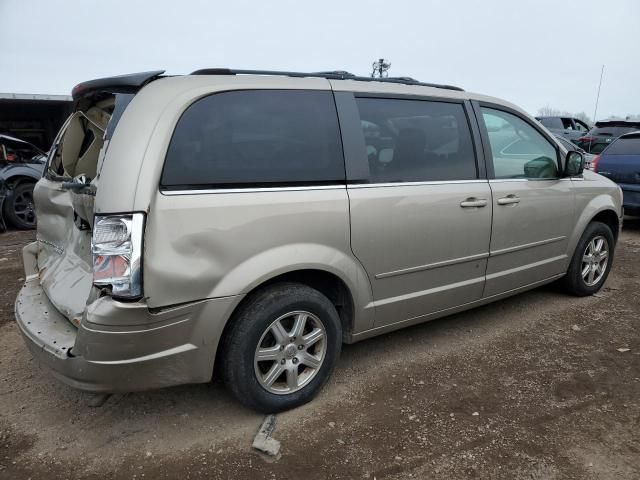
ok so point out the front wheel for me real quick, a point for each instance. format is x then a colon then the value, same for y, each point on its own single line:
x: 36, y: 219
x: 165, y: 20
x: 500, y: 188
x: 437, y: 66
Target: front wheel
x: 592, y: 260
x: 281, y: 347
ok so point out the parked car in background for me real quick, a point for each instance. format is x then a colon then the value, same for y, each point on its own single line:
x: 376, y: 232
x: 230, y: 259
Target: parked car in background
x: 568, y: 127
x: 588, y: 157
x: 620, y: 162
x: 257, y: 220
x: 3, y: 194
x: 604, y: 133
x: 21, y: 166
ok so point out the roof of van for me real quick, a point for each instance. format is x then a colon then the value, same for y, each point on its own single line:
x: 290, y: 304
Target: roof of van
x: 134, y: 81
x: 340, y: 80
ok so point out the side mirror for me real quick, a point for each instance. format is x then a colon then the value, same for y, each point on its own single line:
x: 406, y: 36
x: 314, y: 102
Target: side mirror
x: 574, y: 165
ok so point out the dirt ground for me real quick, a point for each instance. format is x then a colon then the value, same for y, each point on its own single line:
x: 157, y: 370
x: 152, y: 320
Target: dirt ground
x: 533, y: 387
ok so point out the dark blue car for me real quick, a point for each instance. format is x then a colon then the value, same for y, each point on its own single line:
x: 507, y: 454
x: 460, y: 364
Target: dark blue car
x: 620, y: 162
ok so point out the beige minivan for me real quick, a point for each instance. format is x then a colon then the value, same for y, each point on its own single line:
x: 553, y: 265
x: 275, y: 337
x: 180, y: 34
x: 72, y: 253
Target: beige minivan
x: 254, y: 221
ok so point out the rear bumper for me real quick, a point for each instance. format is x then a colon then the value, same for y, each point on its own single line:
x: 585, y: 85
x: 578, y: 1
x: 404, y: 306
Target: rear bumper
x: 155, y: 349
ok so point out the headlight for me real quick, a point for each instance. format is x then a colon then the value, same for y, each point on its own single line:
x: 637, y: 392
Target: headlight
x: 116, y: 246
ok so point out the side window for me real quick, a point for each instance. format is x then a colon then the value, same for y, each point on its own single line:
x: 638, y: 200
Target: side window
x: 518, y: 150
x: 416, y: 140
x: 256, y: 138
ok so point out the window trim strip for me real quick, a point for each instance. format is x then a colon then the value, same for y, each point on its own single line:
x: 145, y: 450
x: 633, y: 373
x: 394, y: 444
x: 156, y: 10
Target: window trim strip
x: 415, y: 184
x: 252, y: 190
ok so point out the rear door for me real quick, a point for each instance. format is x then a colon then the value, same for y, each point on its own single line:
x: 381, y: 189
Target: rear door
x: 420, y: 205
x: 533, y: 208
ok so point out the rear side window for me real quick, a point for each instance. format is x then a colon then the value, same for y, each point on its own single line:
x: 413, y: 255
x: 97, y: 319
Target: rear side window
x: 256, y: 138
x: 416, y: 140
x: 625, y: 146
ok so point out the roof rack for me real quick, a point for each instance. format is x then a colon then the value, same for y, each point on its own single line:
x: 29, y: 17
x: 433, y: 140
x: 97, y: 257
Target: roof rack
x: 330, y: 75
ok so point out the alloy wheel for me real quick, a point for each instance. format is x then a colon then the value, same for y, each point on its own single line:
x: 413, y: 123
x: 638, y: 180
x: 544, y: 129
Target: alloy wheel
x: 290, y: 352
x: 595, y: 260
x: 23, y: 207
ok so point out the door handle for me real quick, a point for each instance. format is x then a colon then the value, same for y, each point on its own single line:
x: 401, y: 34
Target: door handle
x: 508, y: 200
x: 473, y: 202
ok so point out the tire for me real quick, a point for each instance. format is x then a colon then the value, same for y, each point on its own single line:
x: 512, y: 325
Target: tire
x: 575, y: 282
x: 255, y: 325
x: 18, y: 207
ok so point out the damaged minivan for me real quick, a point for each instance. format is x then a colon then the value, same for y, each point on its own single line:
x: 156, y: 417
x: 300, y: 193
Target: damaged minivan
x: 245, y: 224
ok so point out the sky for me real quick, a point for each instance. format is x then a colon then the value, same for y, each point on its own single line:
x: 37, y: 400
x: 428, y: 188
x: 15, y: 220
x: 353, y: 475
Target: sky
x: 534, y: 53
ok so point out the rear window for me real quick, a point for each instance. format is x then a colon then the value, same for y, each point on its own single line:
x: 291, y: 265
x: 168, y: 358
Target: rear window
x: 611, y: 131
x: 551, y: 122
x: 256, y: 138
x: 625, y: 146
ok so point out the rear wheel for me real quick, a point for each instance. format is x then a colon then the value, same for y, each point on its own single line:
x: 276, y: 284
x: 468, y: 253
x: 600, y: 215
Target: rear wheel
x: 18, y: 207
x: 591, y: 260
x: 281, y: 347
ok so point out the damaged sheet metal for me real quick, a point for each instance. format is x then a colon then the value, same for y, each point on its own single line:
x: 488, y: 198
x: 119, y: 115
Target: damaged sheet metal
x: 64, y: 251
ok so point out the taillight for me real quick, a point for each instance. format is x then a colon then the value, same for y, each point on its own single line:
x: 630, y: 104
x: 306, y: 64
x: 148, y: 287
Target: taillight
x: 116, y: 246
x: 594, y: 163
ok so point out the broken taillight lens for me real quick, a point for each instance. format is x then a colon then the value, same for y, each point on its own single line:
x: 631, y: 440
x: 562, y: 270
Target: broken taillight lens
x: 116, y: 247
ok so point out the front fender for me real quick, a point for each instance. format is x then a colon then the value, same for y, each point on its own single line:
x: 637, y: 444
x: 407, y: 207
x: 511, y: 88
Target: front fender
x: 588, y: 209
x: 13, y: 171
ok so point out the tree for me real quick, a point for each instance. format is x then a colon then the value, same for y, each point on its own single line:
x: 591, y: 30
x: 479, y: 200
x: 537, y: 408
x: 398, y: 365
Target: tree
x: 584, y: 117
x: 548, y: 111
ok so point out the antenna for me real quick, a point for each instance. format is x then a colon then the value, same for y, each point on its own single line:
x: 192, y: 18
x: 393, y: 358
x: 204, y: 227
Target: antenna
x: 380, y: 67
x: 598, y: 95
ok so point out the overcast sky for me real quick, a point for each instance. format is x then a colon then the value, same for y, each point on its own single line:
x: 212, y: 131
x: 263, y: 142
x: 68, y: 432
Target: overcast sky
x: 533, y: 53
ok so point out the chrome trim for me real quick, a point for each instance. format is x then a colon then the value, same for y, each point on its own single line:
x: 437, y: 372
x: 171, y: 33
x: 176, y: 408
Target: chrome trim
x: 508, y: 180
x: 413, y: 184
x: 424, y: 293
x: 470, y: 258
x: 356, y: 337
x: 430, y: 266
x: 502, y: 251
x: 251, y: 190
x: 528, y: 266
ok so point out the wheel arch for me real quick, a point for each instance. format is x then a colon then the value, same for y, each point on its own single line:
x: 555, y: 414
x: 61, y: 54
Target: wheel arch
x: 329, y: 283
x: 600, y: 209
x: 609, y: 218
x: 14, y: 180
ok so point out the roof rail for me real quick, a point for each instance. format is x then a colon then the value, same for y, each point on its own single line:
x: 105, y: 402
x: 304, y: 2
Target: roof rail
x: 330, y: 75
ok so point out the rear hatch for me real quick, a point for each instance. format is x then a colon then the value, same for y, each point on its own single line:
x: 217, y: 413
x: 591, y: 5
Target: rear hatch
x: 620, y: 162
x: 64, y: 197
x: 603, y: 134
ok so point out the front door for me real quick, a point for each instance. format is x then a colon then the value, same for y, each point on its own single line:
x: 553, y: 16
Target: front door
x: 421, y: 221
x: 533, y: 207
